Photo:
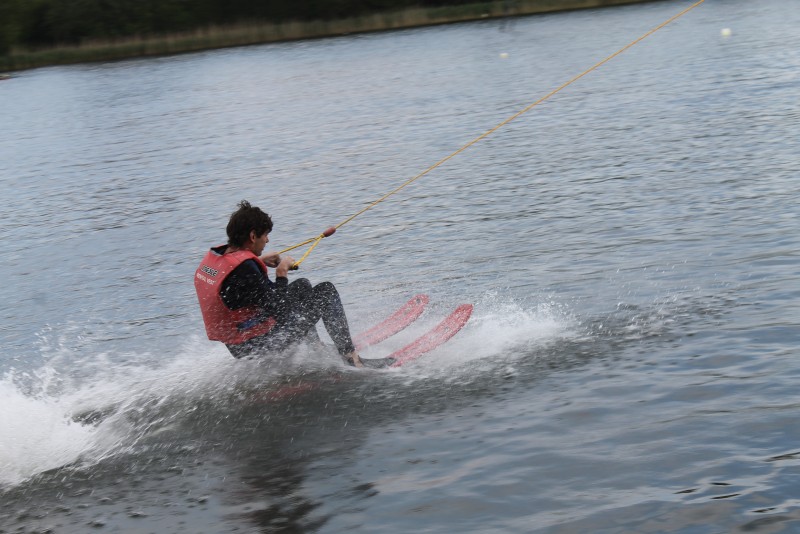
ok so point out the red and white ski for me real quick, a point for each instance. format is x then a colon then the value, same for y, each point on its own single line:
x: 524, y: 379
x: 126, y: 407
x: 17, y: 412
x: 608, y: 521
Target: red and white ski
x: 400, y: 319
x: 435, y: 337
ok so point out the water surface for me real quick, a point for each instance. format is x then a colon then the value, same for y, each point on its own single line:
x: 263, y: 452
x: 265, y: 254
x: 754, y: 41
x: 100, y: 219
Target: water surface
x: 631, y: 247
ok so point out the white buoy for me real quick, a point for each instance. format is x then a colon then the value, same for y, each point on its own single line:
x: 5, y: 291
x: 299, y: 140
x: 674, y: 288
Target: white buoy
x: 503, y: 55
x: 725, y: 32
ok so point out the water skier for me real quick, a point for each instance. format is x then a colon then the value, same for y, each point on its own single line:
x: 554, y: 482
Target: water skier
x: 250, y: 313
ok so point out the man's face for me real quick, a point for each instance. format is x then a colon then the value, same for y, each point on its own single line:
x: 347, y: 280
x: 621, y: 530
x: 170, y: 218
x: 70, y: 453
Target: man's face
x: 259, y: 242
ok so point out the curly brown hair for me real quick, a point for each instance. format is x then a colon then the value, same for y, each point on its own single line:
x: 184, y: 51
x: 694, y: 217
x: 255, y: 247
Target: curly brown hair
x: 245, y: 219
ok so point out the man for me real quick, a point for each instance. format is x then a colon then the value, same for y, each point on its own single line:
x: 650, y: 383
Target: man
x: 250, y: 313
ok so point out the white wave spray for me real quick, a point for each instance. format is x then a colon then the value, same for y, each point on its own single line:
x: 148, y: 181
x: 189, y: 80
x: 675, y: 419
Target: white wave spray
x: 78, y: 409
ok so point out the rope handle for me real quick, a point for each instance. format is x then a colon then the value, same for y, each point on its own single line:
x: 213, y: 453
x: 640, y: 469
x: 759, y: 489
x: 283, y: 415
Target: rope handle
x: 296, y: 265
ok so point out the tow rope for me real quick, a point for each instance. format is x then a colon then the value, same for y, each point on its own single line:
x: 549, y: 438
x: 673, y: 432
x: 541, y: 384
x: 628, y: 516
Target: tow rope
x: 330, y: 231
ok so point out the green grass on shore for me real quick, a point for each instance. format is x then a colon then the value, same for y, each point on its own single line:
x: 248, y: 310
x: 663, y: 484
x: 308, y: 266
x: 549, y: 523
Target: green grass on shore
x: 255, y: 33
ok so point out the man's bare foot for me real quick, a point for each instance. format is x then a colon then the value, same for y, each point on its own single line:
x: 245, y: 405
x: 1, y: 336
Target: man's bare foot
x: 353, y: 359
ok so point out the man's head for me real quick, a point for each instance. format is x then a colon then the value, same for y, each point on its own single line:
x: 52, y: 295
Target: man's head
x: 247, y: 224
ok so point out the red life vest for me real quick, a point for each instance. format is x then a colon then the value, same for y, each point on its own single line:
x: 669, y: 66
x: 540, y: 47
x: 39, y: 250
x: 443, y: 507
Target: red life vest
x: 222, y: 323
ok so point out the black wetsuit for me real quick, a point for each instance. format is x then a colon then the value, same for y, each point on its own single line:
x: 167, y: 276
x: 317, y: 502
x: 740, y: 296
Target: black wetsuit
x: 297, y: 307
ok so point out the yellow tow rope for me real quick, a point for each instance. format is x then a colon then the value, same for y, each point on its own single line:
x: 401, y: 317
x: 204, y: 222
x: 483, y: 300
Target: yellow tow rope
x: 333, y: 229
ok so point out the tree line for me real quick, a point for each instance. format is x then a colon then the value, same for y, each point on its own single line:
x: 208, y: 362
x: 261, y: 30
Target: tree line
x: 36, y: 24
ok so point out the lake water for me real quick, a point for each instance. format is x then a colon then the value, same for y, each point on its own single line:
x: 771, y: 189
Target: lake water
x: 631, y: 248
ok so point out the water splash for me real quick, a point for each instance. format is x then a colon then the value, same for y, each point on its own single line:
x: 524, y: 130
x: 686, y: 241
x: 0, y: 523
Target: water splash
x: 79, y: 408
x: 38, y: 434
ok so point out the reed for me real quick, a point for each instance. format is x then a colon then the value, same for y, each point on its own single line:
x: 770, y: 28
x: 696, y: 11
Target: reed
x: 259, y: 32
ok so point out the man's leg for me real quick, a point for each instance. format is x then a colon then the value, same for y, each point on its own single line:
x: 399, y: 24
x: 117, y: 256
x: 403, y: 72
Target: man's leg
x: 308, y: 304
x: 329, y: 305
x: 300, y: 293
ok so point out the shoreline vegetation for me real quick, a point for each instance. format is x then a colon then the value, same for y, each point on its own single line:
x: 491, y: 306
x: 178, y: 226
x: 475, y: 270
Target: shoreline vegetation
x: 242, y: 34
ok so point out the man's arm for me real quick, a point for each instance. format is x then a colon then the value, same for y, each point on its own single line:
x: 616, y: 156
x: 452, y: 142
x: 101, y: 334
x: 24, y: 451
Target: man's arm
x: 247, y: 285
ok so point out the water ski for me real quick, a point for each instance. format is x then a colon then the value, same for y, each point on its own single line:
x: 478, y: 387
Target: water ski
x: 442, y: 332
